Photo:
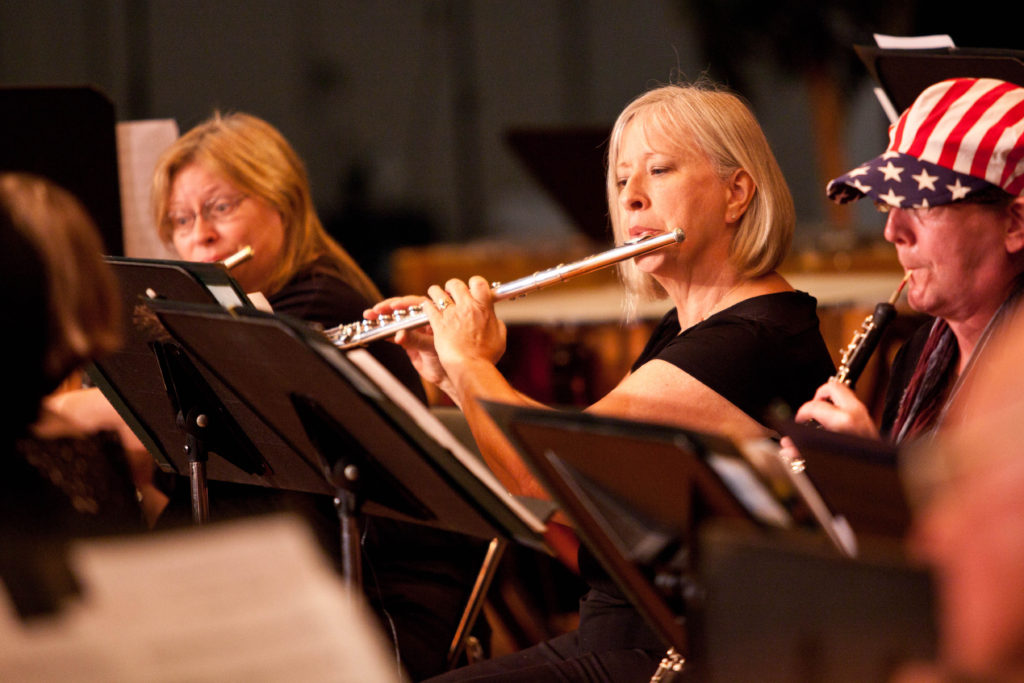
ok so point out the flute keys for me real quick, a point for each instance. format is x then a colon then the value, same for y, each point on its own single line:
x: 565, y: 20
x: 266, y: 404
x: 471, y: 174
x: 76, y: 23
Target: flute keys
x: 339, y: 335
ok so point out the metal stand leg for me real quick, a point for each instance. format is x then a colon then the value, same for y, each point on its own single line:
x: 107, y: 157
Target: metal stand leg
x: 200, y: 495
x: 476, y: 598
x: 351, y: 556
x: 195, y: 449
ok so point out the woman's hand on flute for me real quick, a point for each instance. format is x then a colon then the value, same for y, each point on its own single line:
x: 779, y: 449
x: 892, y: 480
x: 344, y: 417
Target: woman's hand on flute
x: 462, y: 335
x: 836, y: 408
x: 464, y: 323
x: 418, y: 342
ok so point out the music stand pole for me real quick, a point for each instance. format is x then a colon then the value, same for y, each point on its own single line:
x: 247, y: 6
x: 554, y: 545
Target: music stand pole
x: 475, y: 603
x: 194, y: 424
x: 347, y: 503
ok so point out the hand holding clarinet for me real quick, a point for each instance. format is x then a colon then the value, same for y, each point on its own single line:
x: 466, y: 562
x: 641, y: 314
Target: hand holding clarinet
x: 835, y: 406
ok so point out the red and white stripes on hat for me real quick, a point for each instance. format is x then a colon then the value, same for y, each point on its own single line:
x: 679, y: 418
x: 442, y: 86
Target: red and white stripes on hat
x: 972, y: 127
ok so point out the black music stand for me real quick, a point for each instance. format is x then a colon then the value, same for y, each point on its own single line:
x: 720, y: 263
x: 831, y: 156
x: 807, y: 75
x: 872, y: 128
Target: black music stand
x: 904, y: 73
x: 374, y: 446
x: 666, y: 511
x: 859, y: 478
x: 156, y: 389
x: 778, y: 607
x: 636, y: 492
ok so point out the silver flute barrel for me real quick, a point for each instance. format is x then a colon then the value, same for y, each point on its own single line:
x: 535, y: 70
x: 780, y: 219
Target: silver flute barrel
x: 365, y: 331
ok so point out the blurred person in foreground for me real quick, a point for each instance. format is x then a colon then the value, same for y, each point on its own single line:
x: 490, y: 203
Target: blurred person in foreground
x: 234, y: 180
x: 950, y: 182
x: 738, y: 338
x: 60, y: 481
x: 967, y: 486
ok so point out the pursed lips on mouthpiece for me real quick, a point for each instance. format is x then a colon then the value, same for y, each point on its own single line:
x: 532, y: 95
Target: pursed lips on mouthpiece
x: 637, y: 232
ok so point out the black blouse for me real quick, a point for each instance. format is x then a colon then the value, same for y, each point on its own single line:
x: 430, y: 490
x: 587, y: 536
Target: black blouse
x: 754, y: 353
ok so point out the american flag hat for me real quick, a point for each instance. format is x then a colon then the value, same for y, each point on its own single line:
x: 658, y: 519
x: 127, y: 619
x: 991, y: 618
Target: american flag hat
x: 958, y: 137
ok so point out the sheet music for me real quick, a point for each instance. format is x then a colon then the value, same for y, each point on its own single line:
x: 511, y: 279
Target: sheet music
x: 750, y: 491
x: 905, y: 43
x: 913, y: 42
x: 139, y: 144
x: 427, y: 421
x: 253, y: 600
x: 765, y: 454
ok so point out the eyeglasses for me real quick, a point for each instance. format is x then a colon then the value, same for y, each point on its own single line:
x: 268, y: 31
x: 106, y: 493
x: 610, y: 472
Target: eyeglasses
x: 215, y: 210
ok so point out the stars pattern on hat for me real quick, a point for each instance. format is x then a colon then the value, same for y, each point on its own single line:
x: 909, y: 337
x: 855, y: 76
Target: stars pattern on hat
x: 891, y: 198
x: 891, y: 172
x: 903, y: 181
x: 925, y: 181
x: 958, y: 191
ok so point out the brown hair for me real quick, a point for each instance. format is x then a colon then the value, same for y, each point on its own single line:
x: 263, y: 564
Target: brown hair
x: 84, y: 305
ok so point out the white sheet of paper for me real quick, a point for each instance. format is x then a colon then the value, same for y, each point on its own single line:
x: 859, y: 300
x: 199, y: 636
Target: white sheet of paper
x: 429, y: 422
x: 912, y: 42
x: 253, y: 600
x: 139, y: 145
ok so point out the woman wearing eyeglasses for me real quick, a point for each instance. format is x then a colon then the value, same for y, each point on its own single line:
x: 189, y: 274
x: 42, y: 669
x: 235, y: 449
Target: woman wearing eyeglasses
x: 233, y: 181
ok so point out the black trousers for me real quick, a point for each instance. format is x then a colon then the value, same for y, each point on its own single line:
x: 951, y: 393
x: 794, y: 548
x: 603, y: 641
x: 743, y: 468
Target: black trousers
x: 612, y: 645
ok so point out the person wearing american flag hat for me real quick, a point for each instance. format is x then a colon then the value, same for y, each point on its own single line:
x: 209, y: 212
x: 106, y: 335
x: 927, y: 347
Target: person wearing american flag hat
x: 951, y: 182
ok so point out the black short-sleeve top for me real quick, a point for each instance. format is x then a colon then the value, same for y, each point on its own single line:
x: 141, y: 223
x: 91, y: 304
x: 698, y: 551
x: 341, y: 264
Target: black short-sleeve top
x: 754, y: 353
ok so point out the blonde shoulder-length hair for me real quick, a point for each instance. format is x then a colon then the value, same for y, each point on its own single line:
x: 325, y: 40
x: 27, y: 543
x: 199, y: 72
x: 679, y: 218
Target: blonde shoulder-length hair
x: 724, y: 129
x: 255, y: 157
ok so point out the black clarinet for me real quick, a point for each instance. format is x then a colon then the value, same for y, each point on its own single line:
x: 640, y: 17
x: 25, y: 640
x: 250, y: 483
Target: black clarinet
x: 858, y: 351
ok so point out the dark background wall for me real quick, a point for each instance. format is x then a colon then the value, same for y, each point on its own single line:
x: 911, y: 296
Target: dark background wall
x: 401, y: 108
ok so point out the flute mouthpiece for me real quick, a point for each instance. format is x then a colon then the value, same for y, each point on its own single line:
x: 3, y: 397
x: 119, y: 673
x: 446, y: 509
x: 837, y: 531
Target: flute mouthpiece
x: 239, y: 257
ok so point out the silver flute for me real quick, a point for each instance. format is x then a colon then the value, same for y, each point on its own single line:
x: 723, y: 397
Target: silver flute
x: 365, y: 331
